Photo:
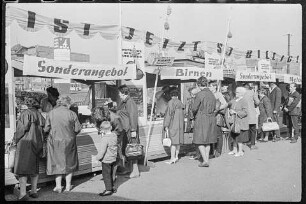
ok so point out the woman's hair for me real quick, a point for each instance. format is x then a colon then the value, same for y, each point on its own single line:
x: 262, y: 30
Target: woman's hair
x: 124, y: 89
x: 31, y: 102
x: 174, y: 93
x: 202, y: 81
x: 64, y: 101
x: 99, y: 115
x: 106, y: 125
x: 53, y: 91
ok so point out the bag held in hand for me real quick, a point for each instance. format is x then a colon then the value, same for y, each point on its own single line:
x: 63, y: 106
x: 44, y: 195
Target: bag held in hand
x: 235, y: 127
x: 134, y: 150
x: 11, y: 151
x: 167, y: 140
x: 270, y: 126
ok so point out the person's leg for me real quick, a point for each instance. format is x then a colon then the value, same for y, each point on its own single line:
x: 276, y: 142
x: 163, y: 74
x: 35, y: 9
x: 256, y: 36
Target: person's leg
x: 252, y: 133
x: 203, y: 152
x: 240, y: 149
x: 290, y: 127
x: 219, y: 141
x: 135, y: 170
x: 207, y: 150
x: 34, y: 180
x: 235, y: 150
x: 276, y: 119
x: 107, y: 176
x: 177, y: 151
x: 68, y: 181
x: 58, y: 182
x: 173, y: 151
x: 295, y: 125
x: 23, y: 185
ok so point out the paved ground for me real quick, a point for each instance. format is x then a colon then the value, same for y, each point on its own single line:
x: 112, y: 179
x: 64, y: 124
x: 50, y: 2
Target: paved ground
x: 271, y: 173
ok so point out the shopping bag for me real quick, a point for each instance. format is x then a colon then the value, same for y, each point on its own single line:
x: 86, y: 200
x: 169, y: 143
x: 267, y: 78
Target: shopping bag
x: 235, y: 127
x: 10, y: 151
x: 167, y: 140
x: 270, y: 126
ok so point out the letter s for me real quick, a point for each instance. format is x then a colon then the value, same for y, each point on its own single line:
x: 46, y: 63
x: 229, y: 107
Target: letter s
x: 43, y: 68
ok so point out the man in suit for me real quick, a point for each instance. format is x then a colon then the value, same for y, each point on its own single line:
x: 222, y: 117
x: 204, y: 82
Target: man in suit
x: 252, y: 99
x: 275, y: 96
x: 294, y: 110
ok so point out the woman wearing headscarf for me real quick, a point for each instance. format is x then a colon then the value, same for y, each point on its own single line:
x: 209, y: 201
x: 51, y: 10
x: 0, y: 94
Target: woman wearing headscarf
x: 265, y: 110
x: 62, y: 157
x: 128, y: 112
x: 205, y: 128
x: 174, y: 125
x: 238, y: 108
x: 29, y: 140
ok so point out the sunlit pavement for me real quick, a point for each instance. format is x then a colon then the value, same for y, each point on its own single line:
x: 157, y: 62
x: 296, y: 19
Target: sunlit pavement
x: 271, y: 173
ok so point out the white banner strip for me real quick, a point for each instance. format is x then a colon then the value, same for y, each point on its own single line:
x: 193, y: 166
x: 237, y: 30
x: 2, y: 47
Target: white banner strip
x: 289, y: 78
x: 76, y: 70
x: 186, y: 73
x: 255, y: 76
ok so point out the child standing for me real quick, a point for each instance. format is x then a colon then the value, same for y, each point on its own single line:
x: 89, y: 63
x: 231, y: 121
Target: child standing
x: 108, y: 156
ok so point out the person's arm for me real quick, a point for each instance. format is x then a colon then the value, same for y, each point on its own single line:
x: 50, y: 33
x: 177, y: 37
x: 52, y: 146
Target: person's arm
x: 256, y: 99
x: 77, y: 125
x: 101, y: 153
x: 167, y: 117
x: 196, y: 104
x: 244, y: 109
x: 23, y: 125
x: 47, y: 127
x: 278, y: 100
x: 295, y: 101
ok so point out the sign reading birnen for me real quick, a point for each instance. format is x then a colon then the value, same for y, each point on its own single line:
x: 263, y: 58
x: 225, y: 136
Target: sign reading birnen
x: 289, y: 78
x: 255, y: 76
x: 76, y: 70
x: 186, y: 73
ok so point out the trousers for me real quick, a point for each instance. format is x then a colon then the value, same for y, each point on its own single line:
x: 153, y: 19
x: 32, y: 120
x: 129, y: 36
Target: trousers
x: 252, y: 133
x: 293, y: 123
x: 107, y: 173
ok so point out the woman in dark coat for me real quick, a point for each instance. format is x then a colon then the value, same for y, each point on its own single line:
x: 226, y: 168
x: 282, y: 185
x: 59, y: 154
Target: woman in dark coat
x: 205, y: 127
x: 174, y: 124
x: 265, y: 114
x: 62, y: 157
x: 29, y: 140
x: 128, y: 113
x: 239, y: 110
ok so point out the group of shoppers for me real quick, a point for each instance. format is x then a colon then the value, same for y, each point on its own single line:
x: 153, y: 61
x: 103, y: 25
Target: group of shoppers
x: 211, y: 113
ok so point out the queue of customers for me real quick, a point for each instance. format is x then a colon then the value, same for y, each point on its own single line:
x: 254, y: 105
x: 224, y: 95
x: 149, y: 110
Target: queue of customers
x: 210, y: 113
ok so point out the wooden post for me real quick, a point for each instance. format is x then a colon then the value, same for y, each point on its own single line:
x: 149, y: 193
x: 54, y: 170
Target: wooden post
x: 150, y: 123
x: 93, y: 95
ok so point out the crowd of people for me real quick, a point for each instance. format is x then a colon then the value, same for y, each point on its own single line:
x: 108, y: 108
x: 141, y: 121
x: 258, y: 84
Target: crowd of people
x: 210, y: 114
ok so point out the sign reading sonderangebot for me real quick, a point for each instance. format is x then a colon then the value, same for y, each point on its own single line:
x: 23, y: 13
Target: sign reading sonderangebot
x: 76, y: 70
x: 255, y: 76
x: 289, y: 78
x: 186, y: 73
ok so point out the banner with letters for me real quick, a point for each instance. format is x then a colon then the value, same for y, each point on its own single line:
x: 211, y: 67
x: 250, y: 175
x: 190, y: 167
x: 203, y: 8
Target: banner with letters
x: 255, y: 76
x: 187, y: 73
x: 76, y: 70
x: 289, y: 78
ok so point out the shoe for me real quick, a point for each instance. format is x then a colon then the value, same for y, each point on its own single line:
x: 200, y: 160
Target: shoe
x: 24, y: 198
x: 232, y: 153
x: 240, y: 154
x: 293, y: 141
x: 68, y: 189
x: 262, y: 141
x: 171, y: 162
x: 253, y: 147
x: 203, y: 164
x: 217, y: 154
x: 134, y: 176
x: 288, y: 138
x: 106, y: 193
x: 176, y: 160
x: 58, y: 190
x: 114, y: 190
x: 123, y: 172
x: 33, y: 195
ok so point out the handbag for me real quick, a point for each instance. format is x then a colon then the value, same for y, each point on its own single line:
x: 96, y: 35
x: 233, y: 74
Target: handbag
x: 270, y: 126
x: 134, y: 150
x: 167, y: 140
x: 11, y: 151
x: 235, y: 127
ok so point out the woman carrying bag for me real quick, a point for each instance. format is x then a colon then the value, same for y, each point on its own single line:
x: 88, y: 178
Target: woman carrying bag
x: 265, y: 114
x: 174, y: 125
x: 29, y: 140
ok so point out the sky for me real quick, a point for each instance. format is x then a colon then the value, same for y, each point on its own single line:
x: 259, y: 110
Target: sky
x: 253, y: 26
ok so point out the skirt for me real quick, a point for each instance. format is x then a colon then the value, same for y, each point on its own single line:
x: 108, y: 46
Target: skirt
x: 243, y: 136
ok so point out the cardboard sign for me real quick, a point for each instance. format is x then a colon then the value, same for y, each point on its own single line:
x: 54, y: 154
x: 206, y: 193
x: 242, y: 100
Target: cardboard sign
x: 76, y: 70
x: 255, y: 76
x: 163, y: 61
x: 289, y: 78
x: 212, y: 60
x: 264, y: 66
x: 186, y: 73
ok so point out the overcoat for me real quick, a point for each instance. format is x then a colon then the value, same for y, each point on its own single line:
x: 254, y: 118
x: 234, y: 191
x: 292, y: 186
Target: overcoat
x: 252, y: 100
x: 241, y: 107
x: 174, y: 120
x: 205, y: 128
x: 62, y: 155
x: 265, y: 110
x: 275, y: 98
x: 29, y: 140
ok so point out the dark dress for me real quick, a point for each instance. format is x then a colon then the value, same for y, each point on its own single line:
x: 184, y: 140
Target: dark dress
x: 62, y: 156
x: 265, y: 112
x: 174, y: 120
x: 205, y: 128
x: 29, y: 139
